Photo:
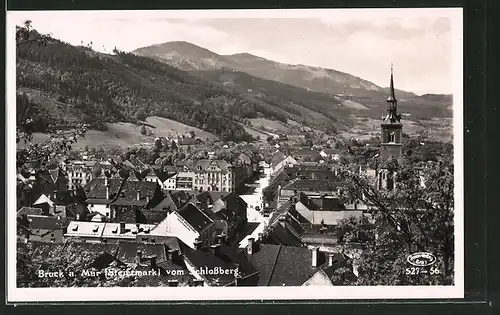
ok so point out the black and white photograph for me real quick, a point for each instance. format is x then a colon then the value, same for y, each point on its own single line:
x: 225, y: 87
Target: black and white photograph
x: 234, y: 154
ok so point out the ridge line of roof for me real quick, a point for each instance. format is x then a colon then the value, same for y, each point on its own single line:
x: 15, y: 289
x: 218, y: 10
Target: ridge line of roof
x: 274, y: 265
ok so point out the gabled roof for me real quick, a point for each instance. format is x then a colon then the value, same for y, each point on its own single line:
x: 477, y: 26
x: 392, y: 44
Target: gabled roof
x: 195, y: 217
x: 280, y: 265
x: 204, y: 165
x: 282, y: 235
x: 226, y: 258
x: 277, y: 158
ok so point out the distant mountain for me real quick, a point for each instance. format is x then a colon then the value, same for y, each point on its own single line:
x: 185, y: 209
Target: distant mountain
x: 65, y: 84
x: 347, y: 89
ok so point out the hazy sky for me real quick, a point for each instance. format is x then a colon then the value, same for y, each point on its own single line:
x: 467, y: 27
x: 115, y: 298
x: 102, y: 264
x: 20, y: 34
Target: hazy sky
x: 360, y: 42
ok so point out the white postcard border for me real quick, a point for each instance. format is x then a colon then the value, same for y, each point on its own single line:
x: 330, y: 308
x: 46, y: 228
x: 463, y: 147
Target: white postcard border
x: 15, y: 294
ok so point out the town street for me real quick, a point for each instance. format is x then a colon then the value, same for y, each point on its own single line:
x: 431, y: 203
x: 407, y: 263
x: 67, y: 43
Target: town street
x: 253, y: 200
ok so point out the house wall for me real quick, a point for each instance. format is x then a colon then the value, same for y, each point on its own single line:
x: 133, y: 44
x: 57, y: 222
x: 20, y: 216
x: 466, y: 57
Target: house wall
x: 178, y: 227
x: 318, y: 279
x: 100, y: 208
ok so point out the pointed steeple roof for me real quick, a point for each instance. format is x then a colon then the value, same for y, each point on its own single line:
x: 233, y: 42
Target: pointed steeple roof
x: 392, y: 96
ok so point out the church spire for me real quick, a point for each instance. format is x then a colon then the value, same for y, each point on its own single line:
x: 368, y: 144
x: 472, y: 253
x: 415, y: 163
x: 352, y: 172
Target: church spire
x: 392, y: 106
x: 392, y: 96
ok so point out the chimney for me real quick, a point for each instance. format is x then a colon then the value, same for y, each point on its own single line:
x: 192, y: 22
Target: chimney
x: 153, y: 263
x: 138, y: 257
x: 260, y: 236
x: 250, y: 246
x: 221, y: 238
x: 282, y: 221
x: 148, y: 198
x: 174, y: 254
x: 331, y: 260
x: 122, y: 227
x: 138, y: 195
x: 315, y: 254
x: 107, y: 190
x: 105, y: 180
x: 54, y: 195
x: 54, y: 208
x: 197, y: 244
x: 215, y: 249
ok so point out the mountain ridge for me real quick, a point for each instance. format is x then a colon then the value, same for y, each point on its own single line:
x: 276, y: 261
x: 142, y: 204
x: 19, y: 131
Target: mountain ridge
x: 345, y: 86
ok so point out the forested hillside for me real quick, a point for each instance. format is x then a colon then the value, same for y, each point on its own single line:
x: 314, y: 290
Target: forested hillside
x: 60, y: 83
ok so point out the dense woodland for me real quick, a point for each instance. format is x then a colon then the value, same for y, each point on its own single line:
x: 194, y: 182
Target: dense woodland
x: 94, y: 88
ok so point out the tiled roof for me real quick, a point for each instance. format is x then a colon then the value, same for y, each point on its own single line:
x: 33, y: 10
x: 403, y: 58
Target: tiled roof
x: 205, y: 164
x: 282, y: 235
x: 127, y: 251
x: 95, y: 189
x: 112, y: 230
x: 306, y: 152
x: 280, y: 265
x: 85, y: 229
x: 277, y: 158
x: 311, y: 185
x: 281, y: 211
x: 40, y: 222
x: 327, y: 217
x: 29, y: 211
x: 195, y: 217
x: 226, y: 258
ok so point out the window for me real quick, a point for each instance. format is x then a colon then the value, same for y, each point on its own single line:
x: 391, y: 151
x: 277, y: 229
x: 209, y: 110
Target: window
x: 392, y: 136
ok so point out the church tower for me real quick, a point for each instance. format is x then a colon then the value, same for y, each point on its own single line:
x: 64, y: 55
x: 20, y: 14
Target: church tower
x: 391, y: 143
x: 392, y: 129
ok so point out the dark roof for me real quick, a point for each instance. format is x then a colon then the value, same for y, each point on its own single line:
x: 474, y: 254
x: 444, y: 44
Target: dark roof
x: 306, y: 152
x: 206, y: 195
x: 96, y: 190
x: 127, y: 251
x: 29, y: 211
x: 279, y: 212
x: 280, y: 265
x: 195, y: 217
x: 39, y: 222
x: 64, y: 198
x: 227, y: 258
x: 277, y: 158
x: 312, y: 185
x: 282, y: 235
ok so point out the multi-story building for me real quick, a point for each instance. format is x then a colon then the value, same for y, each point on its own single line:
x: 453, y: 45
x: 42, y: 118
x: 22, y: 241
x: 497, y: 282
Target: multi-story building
x: 214, y: 175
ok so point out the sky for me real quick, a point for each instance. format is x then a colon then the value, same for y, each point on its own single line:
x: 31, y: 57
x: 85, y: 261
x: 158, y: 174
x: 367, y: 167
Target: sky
x: 418, y: 42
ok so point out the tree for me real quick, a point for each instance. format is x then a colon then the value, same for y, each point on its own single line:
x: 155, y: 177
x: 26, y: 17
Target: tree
x: 412, y: 218
x: 61, y: 137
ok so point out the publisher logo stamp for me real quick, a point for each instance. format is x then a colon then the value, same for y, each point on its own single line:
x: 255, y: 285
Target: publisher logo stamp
x: 421, y: 259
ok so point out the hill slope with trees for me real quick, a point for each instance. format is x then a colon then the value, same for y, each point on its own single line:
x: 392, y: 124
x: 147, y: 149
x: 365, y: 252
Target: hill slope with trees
x: 65, y: 85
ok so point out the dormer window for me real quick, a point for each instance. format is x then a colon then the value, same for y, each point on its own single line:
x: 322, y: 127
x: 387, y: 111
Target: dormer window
x: 75, y: 228
x: 115, y: 230
x: 96, y: 228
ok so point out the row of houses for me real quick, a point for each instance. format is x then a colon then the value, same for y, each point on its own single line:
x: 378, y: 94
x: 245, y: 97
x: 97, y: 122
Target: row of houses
x: 172, y: 263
